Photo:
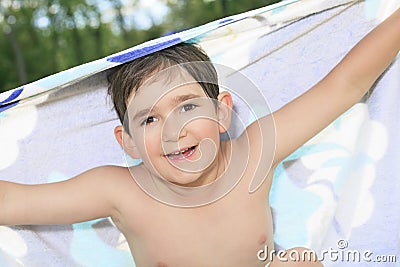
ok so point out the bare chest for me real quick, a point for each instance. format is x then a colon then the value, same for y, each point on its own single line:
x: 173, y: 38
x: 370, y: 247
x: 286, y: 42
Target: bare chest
x: 229, y: 232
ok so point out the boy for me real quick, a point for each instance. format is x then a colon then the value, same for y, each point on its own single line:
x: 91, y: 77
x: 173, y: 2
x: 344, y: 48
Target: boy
x: 173, y: 126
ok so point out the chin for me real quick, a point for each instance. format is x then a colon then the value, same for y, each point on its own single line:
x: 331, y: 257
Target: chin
x: 188, y: 180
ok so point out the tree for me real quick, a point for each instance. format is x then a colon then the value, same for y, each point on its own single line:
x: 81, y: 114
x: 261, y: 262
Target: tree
x: 43, y: 37
x: 186, y: 14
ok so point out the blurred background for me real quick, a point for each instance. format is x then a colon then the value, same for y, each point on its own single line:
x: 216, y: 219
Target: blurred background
x: 43, y: 37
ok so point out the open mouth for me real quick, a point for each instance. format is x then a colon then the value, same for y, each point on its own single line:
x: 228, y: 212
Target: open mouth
x: 182, y: 154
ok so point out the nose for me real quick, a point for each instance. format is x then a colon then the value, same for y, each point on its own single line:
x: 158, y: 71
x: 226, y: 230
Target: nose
x: 173, y: 129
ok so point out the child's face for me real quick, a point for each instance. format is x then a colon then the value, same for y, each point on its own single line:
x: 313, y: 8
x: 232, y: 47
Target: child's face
x: 175, y: 129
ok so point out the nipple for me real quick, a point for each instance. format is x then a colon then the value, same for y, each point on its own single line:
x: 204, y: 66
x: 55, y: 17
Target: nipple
x: 263, y: 239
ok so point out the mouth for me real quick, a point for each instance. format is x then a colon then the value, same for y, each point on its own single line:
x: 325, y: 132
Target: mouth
x: 182, y: 154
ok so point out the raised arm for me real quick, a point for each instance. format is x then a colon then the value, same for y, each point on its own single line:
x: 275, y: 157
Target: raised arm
x: 300, y: 120
x: 343, y: 87
x: 87, y: 196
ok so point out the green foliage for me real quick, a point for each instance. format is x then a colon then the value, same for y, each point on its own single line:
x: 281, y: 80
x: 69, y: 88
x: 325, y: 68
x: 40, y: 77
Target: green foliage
x: 43, y: 37
x: 186, y: 14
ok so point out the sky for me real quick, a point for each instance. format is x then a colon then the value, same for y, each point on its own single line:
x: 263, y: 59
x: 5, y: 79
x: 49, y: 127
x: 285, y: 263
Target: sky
x: 140, y: 14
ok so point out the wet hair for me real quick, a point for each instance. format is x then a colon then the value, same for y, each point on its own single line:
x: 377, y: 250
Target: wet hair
x: 127, y: 78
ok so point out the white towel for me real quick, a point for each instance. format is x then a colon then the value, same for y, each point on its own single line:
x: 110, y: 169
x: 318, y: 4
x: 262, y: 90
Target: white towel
x: 339, y: 191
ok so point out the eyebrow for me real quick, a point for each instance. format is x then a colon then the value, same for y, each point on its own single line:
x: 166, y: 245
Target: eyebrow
x: 142, y: 113
x: 177, y: 100
x: 181, y: 98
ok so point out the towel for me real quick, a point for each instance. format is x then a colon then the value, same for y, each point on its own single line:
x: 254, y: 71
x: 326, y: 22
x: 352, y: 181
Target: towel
x: 338, y: 194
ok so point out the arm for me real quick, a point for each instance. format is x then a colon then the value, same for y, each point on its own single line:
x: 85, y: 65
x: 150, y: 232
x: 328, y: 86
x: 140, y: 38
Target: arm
x: 84, y: 197
x: 344, y: 86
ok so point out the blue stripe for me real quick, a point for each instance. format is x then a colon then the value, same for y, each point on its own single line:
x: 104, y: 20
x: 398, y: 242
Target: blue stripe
x: 7, y: 106
x: 226, y: 20
x: 129, y: 56
x: 13, y: 95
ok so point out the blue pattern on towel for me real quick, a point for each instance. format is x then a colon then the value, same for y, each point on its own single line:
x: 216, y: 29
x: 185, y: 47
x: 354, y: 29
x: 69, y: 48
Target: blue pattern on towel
x: 148, y: 49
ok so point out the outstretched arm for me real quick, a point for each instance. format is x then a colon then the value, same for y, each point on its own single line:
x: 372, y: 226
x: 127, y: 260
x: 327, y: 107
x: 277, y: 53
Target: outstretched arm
x: 87, y: 196
x: 344, y: 86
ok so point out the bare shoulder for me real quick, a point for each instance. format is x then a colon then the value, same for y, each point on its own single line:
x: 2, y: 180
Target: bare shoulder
x: 109, y: 173
x: 118, y: 179
x: 253, y: 154
x: 105, y: 191
x: 113, y: 178
x: 100, y: 178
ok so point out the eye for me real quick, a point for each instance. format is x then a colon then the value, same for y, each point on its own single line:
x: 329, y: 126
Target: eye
x: 149, y: 120
x: 187, y: 107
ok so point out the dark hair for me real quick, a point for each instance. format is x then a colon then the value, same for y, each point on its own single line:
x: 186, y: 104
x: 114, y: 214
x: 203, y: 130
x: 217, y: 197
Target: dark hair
x: 130, y: 76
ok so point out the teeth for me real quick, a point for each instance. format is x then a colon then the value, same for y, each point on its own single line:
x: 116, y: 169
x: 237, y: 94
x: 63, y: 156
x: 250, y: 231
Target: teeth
x: 180, y: 152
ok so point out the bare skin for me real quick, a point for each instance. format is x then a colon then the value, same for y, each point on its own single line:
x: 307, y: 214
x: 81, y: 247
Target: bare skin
x: 226, y: 232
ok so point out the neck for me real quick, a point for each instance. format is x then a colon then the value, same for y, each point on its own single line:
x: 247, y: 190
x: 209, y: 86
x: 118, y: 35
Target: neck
x: 215, y: 182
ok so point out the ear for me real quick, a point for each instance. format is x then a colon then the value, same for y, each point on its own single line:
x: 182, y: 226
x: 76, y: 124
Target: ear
x: 126, y: 142
x: 225, y: 105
